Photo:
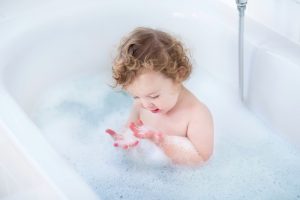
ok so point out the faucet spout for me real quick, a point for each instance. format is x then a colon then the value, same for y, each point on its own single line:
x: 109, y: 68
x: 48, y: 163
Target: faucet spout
x: 241, y: 5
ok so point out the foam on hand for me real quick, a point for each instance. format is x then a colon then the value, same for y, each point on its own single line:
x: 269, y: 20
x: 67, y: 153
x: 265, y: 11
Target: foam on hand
x: 146, y: 152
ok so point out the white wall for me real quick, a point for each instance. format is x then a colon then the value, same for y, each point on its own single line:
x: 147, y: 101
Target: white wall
x: 282, y: 16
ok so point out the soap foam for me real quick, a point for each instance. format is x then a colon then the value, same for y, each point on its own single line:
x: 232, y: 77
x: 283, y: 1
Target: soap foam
x: 249, y: 161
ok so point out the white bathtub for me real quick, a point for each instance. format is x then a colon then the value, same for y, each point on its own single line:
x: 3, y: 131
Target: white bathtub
x: 71, y: 40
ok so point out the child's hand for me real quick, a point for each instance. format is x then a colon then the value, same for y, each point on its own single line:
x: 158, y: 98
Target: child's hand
x: 120, y: 141
x: 141, y: 131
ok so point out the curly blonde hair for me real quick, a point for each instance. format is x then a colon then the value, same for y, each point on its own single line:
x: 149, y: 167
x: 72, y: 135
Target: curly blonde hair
x: 146, y: 49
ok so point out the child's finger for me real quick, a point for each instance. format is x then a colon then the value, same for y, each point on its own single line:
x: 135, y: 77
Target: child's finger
x: 134, y: 144
x: 139, y: 122
x: 126, y: 145
x: 138, y: 135
x: 133, y: 128
x: 113, y: 134
x: 143, y: 135
x: 120, y: 144
x: 123, y: 146
x: 130, y: 145
x: 110, y: 132
x: 116, y: 144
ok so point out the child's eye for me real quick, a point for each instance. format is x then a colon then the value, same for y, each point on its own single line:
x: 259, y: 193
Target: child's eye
x: 154, y: 97
x: 136, y: 97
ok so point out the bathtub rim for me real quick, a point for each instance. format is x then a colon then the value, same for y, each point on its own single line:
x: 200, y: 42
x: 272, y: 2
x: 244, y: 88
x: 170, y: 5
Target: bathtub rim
x: 61, y: 176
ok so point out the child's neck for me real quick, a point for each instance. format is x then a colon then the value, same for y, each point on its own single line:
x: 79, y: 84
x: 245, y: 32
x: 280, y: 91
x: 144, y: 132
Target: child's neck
x: 182, y: 92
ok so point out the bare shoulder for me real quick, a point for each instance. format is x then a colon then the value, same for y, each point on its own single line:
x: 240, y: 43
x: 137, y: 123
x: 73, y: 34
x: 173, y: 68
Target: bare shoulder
x: 201, y: 111
x: 197, y: 109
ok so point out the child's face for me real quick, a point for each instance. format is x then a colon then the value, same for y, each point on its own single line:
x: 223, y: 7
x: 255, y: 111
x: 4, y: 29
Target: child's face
x: 155, y: 92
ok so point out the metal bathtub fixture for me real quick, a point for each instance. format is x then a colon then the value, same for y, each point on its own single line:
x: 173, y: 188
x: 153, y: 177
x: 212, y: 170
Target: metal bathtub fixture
x: 241, y: 6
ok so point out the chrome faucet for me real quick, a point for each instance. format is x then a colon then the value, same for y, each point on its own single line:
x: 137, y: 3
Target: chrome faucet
x: 241, y: 2
x: 241, y: 6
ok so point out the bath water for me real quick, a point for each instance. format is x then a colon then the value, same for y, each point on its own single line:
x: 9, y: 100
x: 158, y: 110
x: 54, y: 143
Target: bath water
x: 250, y: 160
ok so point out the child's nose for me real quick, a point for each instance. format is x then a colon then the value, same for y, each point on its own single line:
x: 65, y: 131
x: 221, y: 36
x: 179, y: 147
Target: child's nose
x: 147, y: 104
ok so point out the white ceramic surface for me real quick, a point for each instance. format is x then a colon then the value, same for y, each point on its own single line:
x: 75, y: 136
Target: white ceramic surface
x: 55, y: 41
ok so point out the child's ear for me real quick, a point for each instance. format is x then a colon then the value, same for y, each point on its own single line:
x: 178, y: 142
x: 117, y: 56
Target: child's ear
x: 181, y: 71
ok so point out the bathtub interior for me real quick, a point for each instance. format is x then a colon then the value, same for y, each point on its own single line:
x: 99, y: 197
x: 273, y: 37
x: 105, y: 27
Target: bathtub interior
x: 80, y: 27
x: 79, y: 43
x: 85, y: 32
x: 73, y: 115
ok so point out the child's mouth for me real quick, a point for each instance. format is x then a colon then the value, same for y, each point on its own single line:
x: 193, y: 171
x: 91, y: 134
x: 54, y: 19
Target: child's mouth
x: 155, y: 111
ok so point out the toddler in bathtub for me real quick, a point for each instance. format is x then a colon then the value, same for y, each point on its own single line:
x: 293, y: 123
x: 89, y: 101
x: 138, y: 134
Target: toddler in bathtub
x: 151, y: 66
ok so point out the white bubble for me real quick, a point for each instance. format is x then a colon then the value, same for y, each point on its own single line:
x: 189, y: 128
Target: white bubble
x: 249, y: 161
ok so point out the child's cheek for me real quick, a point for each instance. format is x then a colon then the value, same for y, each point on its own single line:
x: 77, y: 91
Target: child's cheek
x: 160, y: 104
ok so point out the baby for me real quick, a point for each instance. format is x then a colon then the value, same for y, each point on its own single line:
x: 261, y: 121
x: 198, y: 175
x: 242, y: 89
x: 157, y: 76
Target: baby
x: 151, y: 66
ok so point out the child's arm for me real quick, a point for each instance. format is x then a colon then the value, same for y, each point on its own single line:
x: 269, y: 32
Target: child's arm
x: 197, y: 147
x: 194, y: 149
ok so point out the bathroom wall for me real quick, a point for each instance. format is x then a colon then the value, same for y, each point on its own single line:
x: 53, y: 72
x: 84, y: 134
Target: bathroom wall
x: 282, y: 16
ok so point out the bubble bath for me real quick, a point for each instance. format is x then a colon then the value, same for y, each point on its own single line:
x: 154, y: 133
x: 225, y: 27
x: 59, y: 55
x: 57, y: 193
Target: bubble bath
x: 248, y: 163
